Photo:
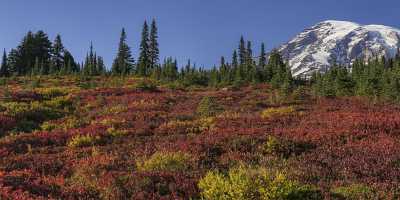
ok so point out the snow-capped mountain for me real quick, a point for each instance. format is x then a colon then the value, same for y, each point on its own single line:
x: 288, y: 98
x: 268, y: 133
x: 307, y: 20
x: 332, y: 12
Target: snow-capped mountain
x: 317, y: 48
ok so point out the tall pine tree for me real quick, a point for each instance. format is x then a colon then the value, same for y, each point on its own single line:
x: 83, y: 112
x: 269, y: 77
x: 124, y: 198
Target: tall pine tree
x: 144, y: 58
x: 123, y: 64
x: 57, y: 55
x: 4, y: 67
x: 154, y: 51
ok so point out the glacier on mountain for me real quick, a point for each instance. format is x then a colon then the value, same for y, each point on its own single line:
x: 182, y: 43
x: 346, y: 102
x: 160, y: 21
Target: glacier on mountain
x: 341, y: 42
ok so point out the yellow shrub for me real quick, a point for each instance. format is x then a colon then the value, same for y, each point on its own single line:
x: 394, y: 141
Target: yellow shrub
x: 188, y: 127
x: 62, y: 102
x: 73, y: 122
x: 83, y: 141
x: 249, y: 183
x: 112, y: 122
x: 165, y: 161
x: 15, y: 109
x: 117, y: 133
x: 276, y: 112
x: 355, y: 191
x: 50, y: 93
x: 206, y: 124
x: 115, y: 109
x: 49, y: 126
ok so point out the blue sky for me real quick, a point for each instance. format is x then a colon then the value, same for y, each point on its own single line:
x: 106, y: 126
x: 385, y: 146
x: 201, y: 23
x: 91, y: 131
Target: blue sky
x: 202, y: 30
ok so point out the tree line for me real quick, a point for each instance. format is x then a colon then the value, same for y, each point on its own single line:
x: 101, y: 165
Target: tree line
x: 378, y: 78
x: 37, y: 55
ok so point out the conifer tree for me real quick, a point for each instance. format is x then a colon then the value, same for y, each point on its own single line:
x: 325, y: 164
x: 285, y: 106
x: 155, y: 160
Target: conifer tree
x: 123, y: 63
x: 242, y: 51
x: 262, y: 62
x: 263, y: 56
x: 154, y: 51
x: 69, y: 63
x: 249, y: 55
x: 4, y: 71
x: 235, y: 62
x: 57, y: 55
x: 100, y: 66
x: 144, y: 58
x: 37, y: 68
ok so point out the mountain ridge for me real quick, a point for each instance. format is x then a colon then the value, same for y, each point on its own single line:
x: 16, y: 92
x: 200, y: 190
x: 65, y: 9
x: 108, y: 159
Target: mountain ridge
x: 333, y: 41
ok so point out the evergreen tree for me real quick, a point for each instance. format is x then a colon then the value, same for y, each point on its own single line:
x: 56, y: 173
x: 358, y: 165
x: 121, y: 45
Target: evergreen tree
x: 69, y: 63
x: 262, y: 62
x: 242, y: 51
x: 123, y: 63
x: 225, y: 74
x: 4, y: 71
x: 235, y: 63
x: 249, y: 55
x: 154, y: 51
x: 93, y: 65
x: 41, y: 49
x: 57, y: 55
x: 100, y: 66
x: 37, y: 68
x: 144, y: 58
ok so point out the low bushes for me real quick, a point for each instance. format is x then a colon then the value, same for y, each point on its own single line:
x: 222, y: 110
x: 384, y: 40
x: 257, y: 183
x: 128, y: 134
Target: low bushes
x: 277, y: 112
x: 165, y: 161
x: 50, y: 93
x: 115, y: 133
x: 7, y: 123
x: 248, y: 183
x: 187, y: 126
x: 146, y: 85
x: 83, y: 141
x: 354, y: 192
x: 208, y: 107
x: 285, y: 148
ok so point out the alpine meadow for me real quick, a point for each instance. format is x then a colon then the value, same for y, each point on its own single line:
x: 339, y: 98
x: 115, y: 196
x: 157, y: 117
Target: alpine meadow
x: 316, y: 117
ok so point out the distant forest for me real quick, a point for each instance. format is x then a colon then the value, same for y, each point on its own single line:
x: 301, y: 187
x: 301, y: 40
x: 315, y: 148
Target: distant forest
x: 36, y: 55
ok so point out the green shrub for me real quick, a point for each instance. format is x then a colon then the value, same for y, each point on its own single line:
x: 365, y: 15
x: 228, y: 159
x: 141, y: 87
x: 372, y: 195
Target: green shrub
x: 49, y: 93
x: 146, y: 85
x: 87, y: 85
x: 165, y: 161
x: 354, y: 192
x: 300, y: 94
x: 248, y: 184
x: 208, y: 107
x: 25, y: 126
x: 3, y: 81
x: 83, y: 141
x: 285, y: 148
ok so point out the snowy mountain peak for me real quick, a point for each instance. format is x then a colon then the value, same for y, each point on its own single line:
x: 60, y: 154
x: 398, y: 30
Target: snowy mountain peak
x: 318, y: 47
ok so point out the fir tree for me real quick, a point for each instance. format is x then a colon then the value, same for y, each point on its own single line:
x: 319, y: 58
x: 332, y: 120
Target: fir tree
x: 100, y: 66
x: 57, y: 55
x: 262, y: 62
x: 123, y: 63
x: 4, y: 71
x: 144, y: 58
x: 69, y: 63
x: 263, y: 56
x: 242, y: 51
x: 235, y: 62
x: 153, y: 46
